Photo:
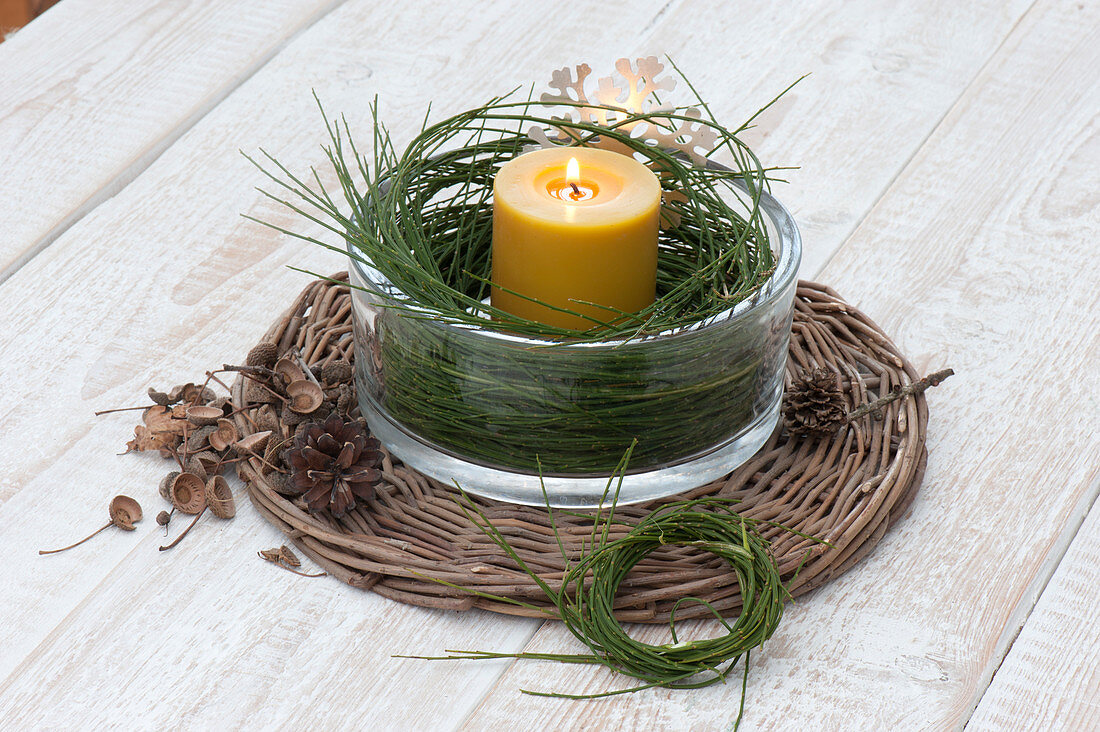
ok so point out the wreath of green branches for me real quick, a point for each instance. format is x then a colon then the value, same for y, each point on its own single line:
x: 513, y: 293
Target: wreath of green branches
x: 423, y: 218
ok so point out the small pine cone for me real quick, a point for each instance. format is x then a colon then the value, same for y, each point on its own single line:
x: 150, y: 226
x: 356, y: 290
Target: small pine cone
x: 262, y: 354
x: 815, y: 406
x: 333, y: 463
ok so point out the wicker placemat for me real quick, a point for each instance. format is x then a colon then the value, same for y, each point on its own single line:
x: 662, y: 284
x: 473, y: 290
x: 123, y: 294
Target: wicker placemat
x: 847, y: 489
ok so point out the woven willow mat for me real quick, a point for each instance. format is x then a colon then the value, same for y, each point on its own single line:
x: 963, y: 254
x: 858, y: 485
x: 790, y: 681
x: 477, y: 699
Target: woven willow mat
x: 846, y: 490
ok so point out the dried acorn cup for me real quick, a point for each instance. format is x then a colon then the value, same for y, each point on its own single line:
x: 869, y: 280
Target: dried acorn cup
x: 124, y: 512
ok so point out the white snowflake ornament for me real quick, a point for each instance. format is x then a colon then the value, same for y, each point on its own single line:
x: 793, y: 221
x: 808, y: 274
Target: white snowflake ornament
x: 618, y: 97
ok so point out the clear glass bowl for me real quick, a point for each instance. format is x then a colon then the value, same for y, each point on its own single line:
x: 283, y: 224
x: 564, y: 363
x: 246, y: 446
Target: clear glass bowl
x: 491, y: 411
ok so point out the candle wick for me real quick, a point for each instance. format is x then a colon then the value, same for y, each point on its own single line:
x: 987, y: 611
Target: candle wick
x: 576, y: 191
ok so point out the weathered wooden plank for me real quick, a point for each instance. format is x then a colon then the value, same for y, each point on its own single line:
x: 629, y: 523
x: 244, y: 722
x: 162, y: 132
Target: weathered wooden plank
x: 981, y: 256
x: 1049, y: 680
x: 91, y: 94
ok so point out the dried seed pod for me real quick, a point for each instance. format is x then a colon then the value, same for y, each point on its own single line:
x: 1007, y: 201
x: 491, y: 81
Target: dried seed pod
x: 195, y: 466
x: 289, y: 557
x: 271, y: 555
x: 306, y: 397
x: 224, y: 436
x: 125, y: 512
x: 219, y: 498
x: 163, y: 518
x: 281, y: 484
x: 253, y: 444
x: 211, y: 463
x: 159, y: 397
x: 266, y: 419
x: 256, y: 393
x: 188, y: 493
x: 336, y: 372
x: 191, y: 394
x: 344, y: 401
x: 223, y: 403
x: 288, y: 370
x: 263, y: 354
x: 289, y: 418
x: 272, y: 456
x: 315, y: 371
x: 200, y: 438
x: 166, y: 485
x: 201, y: 416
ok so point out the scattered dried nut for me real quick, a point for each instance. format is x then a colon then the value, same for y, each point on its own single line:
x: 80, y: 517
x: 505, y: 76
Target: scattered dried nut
x: 188, y: 493
x: 163, y: 518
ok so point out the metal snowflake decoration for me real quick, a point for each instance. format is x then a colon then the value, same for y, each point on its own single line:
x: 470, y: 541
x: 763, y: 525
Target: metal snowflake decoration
x: 620, y: 98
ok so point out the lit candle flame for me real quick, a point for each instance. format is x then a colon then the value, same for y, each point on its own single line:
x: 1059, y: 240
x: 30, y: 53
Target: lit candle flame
x: 572, y: 177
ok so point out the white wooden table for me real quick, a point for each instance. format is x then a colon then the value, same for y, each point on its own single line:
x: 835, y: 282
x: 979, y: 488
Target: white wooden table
x: 949, y: 187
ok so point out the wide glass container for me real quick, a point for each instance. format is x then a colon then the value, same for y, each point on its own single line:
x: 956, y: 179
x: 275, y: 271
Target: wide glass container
x: 507, y: 417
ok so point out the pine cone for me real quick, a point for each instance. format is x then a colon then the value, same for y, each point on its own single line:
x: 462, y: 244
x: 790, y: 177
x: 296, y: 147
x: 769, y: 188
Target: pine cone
x: 332, y: 463
x: 815, y: 405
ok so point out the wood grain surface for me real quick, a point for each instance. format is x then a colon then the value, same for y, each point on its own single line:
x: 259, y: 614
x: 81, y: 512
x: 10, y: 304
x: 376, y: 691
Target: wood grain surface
x: 948, y: 180
x: 91, y: 94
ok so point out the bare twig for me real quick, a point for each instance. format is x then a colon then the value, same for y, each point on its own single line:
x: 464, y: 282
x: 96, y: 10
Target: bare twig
x: 900, y: 392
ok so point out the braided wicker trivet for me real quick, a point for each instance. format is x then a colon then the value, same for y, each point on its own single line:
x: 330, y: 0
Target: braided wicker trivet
x: 846, y: 490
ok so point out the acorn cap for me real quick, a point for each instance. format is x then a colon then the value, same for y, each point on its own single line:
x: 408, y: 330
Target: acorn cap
x: 125, y: 512
x: 288, y: 370
x: 263, y: 354
x: 219, y: 498
x: 224, y: 435
x: 305, y: 396
x: 166, y: 485
x: 188, y: 493
x: 201, y: 416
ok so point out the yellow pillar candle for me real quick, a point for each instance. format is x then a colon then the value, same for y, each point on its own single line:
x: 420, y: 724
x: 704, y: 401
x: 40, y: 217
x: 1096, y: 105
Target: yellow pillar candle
x: 566, y: 240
